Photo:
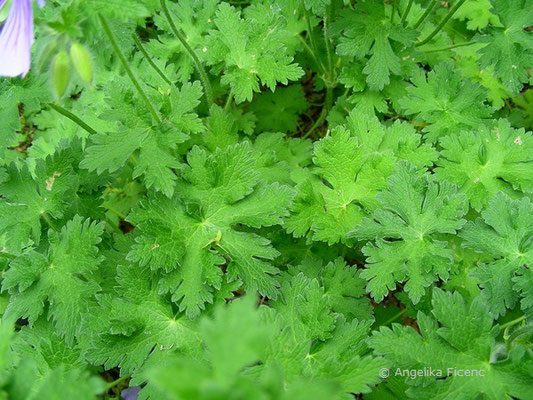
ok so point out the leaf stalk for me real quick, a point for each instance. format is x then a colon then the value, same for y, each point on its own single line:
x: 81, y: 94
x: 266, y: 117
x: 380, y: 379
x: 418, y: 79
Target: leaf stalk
x: 196, y: 61
x: 129, y: 72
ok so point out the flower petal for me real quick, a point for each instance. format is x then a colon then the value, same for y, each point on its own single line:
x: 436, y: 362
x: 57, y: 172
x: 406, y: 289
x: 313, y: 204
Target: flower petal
x: 16, y: 38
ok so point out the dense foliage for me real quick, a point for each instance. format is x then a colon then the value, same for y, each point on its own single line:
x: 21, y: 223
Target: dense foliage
x: 269, y: 199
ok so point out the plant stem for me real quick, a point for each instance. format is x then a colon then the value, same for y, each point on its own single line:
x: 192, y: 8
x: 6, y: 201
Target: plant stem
x: 426, y: 13
x: 450, y: 47
x: 229, y: 100
x: 149, y: 59
x: 108, y: 207
x: 395, y: 317
x: 407, y: 11
x: 49, y: 221
x: 196, y: 61
x: 393, y: 11
x: 309, y: 29
x: 443, y: 22
x: 312, y: 54
x: 329, y: 50
x: 72, y: 117
x: 111, y: 385
x: 132, y: 77
x: 324, y: 112
x: 513, y: 322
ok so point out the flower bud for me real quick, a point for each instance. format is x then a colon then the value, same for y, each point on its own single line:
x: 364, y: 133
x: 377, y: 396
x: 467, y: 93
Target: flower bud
x: 61, y: 72
x: 45, y: 55
x: 82, y: 62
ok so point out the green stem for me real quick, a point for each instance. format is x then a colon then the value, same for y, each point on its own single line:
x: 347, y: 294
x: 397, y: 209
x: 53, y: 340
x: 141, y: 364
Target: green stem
x: 116, y: 212
x: 132, y: 77
x: 72, y: 117
x: 393, y: 11
x: 196, y: 61
x: 443, y: 22
x: 133, y: 159
x: 407, y: 11
x: 324, y: 113
x: 309, y: 29
x: 426, y: 13
x: 312, y: 54
x: 454, y: 46
x: 329, y: 50
x: 229, y: 100
x: 149, y: 59
x: 513, y: 322
x: 394, y: 318
x: 111, y: 385
x: 49, y: 221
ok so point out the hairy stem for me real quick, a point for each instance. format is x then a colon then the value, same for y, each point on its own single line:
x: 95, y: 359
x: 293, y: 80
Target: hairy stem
x: 406, y: 12
x: 329, y: 50
x: 229, y: 100
x: 426, y: 13
x: 312, y: 54
x: 513, y: 322
x: 72, y: 117
x: 108, y: 207
x: 149, y: 59
x: 132, y: 77
x: 443, y: 22
x: 49, y: 221
x: 453, y: 46
x: 324, y: 113
x: 309, y: 29
x: 394, y: 317
x: 111, y: 385
x: 196, y: 61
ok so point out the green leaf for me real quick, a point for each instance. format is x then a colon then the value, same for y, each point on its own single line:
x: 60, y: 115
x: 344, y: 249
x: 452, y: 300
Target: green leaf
x: 126, y: 326
x: 464, y: 339
x: 286, y: 103
x: 369, y: 32
x: 157, y: 145
x: 505, y: 236
x: 251, y: 51
x: 446, y: 102
x: 61, y: 277
x: 353, y: 165
x: 509, y: 44
x: 189, y: 235
x: 486, y: 162
x: 478, y: 13
x: 413, y: 212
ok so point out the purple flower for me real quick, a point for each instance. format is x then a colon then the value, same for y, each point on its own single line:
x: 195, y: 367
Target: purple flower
x: 16, y: 38
x: 130, y: 393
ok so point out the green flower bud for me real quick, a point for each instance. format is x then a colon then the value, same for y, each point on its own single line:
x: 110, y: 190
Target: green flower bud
x: 45, y: 55
x: 82, y: 62
x: 61, y: 72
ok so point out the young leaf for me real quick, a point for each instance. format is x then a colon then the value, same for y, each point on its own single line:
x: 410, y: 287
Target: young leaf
x: 249, y: 51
